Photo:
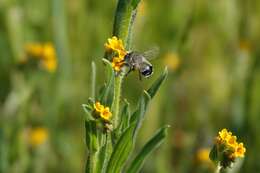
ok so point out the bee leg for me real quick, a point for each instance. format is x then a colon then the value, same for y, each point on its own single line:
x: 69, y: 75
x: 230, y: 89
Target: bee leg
x: 128, y: 71
x: 131, y: 68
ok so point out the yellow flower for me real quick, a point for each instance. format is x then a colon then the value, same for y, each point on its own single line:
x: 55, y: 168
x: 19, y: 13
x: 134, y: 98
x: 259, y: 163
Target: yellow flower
x: 98, y: 107
x: 203, y: 155
x: 116, y: 45
x: 240, y: 150
x: 38, y: 136
x: 224, y: 134
x: 49, y: 60
x: 50, y: 64
x: 106, y: 114
x: 103, y: 112
x: 232, y: 141
x: 34, y: 49
x: 45, y: 53
x: 117, y: 63
x: 226, y: 149
x: 172, y: 61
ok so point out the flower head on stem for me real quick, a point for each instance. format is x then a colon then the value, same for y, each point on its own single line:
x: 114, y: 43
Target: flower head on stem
x: 103, y: 112
x: 116, y: 46
x: 226, y: 149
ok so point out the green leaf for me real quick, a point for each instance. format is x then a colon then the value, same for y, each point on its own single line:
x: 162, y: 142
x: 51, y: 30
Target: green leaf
x: 156, y: 85
x: 124, y: 122
x: 135, y: 3
x: 106, y: 94
x: 91, y: 136
x: 125, y: 117
x: 121, y: 151
x: 88, y: 109
x: 151, y: 145
x: 138, y: 116
x: 104, y: 154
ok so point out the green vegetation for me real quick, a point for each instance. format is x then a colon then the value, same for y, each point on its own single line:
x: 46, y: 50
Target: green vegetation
x: 52, y: 61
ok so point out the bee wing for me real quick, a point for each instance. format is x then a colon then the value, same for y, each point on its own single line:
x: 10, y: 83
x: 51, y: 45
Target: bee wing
x: 151, y: 53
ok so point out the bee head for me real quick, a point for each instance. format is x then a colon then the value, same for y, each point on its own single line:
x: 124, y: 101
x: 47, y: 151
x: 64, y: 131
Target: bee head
x: 147, y: 70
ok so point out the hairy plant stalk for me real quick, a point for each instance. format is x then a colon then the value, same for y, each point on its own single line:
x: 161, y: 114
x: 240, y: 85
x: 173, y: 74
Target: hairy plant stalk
x: 117, y: 95
x: 123, y: 24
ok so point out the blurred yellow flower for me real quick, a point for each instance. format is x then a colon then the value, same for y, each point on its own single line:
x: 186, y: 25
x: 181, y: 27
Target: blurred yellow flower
x: 245, y: 45
x: 240, y: 150
x: 226, y: 149
x: 224, y: 134
x: 49, y: 60
x: 103, y: 112
x: 34, y: 49
x: 203, y: 155
x: 116, y: 45
x: 172, y: 61
x: 45, y: 53
x: 38, y: 136
x: 232, y: 141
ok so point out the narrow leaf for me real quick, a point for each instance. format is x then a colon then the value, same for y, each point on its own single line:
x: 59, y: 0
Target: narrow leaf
x: 107, y: 91
x: 91, y: 136
x: 138, y: 116
x: 125, y: 117
x: 88, y: 109
x: 156, y: 85
x: 121, y: 151
x: 151, y: 145
x: 135, y: 3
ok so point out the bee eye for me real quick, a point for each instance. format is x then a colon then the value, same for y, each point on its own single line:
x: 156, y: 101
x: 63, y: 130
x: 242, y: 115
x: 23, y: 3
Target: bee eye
x: 147, y: 71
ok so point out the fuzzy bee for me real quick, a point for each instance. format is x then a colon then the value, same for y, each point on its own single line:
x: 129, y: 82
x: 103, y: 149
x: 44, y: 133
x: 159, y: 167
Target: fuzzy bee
x: 138, y: 61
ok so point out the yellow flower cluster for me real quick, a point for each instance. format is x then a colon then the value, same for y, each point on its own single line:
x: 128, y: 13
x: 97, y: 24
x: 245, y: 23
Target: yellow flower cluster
x: 225, y: 137
x: 116, y: 45
x: 104, y: 112
x: 38, y: 136
x: 45, y: 53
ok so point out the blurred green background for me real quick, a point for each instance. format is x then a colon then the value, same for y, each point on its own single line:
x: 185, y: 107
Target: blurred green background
x: 212, y: 52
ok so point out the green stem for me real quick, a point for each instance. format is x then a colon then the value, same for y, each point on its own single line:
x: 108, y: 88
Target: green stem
x: 123, y: 24
x: 124, y: 19
x: 93, y: 82
x: 117, y: 95
x: 91, y: 166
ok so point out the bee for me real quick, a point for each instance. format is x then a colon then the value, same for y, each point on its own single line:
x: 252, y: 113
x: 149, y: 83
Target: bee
x: 138, y: 61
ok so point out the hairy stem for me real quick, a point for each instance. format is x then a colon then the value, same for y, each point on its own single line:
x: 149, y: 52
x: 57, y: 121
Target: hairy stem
x: 117, y: 95
x: 124, y: 19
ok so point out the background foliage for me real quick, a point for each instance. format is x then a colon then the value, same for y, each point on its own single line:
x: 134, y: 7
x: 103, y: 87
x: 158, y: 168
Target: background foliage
x: 210, y: 48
